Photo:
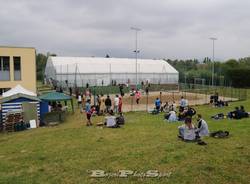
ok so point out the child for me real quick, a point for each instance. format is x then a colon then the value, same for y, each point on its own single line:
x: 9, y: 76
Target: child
x: 137, y: 96
x: 88, y: 112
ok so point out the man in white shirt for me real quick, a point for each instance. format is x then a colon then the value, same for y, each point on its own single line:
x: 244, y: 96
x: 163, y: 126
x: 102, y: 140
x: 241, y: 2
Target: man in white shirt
x: 79, y: 101
x: 116, y: 103
x: 202, y: 129
x: 182, y: 103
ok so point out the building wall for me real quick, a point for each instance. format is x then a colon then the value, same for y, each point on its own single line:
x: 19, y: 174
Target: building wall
x: 28, y: 67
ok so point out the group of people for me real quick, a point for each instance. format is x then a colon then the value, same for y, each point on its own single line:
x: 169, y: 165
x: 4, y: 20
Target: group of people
x: 238, y: 113
x: 160, y: 107
x: 57, y: 106
x: 167, y: 107
x: 215, y: 101
x: 101, y: 105
x: 189, y: 132
x: 110, y: 120
x: 184, y: 111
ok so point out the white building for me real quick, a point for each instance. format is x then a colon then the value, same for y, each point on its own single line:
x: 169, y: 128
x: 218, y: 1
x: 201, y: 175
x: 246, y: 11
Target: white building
x: 102, y: 71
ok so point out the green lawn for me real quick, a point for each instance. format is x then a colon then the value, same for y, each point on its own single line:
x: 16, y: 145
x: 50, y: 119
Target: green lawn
x: 65, y: 153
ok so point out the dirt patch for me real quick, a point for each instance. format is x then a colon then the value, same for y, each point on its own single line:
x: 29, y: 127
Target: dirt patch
x: 147, y: 102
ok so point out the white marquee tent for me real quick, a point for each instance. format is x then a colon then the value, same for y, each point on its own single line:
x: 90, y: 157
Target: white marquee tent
x: 97, y: 71
x: 18, y: 89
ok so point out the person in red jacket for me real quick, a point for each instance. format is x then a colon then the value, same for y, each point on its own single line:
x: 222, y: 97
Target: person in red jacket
x: 120, y: 105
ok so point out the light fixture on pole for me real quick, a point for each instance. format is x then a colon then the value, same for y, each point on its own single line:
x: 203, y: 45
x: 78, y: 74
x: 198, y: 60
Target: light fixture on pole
x: 213, y: 39
x: 136, y: 51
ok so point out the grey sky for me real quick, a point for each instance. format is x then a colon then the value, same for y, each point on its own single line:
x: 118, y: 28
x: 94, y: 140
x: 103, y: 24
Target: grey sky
x: 176, y: 29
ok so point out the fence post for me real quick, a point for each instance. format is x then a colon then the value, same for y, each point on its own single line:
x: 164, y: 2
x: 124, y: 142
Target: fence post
x: 196, y: 97
x: 147, y: 103
x: 132, y: 99
x: 206, y: 97
x: 160, y: 95
x: 231, y: 93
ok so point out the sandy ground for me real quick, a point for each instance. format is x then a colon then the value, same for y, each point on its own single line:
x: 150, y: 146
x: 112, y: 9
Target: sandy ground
x: 146, y: 103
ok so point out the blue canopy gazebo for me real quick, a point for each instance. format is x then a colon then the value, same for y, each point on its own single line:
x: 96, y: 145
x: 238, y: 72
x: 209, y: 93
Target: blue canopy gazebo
x: 56, y: 97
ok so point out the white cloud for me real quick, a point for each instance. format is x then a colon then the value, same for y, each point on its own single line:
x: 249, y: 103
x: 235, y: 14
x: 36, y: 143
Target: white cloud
x: 170, y: 28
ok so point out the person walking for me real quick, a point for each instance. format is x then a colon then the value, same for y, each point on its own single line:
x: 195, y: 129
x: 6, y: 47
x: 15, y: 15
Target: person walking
x: 137, y: 96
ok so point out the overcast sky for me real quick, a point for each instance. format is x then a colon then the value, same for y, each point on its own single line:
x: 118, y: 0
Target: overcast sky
x: 175, y: 29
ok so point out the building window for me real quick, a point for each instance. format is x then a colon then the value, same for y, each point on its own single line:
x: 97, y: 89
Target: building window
x: 4, y: 68
x: 17, y: 68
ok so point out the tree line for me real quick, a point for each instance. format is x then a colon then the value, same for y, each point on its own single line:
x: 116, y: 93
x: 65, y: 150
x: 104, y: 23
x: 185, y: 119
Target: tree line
x: 232, y: 72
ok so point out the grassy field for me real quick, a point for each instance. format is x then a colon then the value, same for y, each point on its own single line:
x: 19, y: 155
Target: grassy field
x: 66, y: 153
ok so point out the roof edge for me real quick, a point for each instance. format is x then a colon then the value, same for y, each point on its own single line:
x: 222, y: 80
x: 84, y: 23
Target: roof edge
x: 18, y: 95
x: 20, y: 47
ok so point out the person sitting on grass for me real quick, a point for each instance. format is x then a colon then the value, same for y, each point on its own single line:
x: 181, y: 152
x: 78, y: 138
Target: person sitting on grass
x: 235, y: 114
x: 187, y: 131
x: 171, y: 116
x: 190, y: 112
x: 120, y: 119
x: 242, y: 112
x: 182, y: 112
x: 137, y: 96
x: 202, y: 129
x: 110, y: 120
x: 186, y: 112
x: 172, y: 107
x: 165, y: 107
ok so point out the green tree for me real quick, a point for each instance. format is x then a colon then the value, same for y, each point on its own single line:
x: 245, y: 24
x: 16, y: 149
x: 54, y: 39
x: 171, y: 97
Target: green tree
x: 41, y: 61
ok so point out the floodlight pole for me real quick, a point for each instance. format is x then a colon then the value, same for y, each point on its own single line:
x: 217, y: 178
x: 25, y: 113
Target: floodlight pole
x: 136, y: 51
x: 213, y: 39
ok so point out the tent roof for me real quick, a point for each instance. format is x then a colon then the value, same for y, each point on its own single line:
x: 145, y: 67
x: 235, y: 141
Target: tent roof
x: 109, y: 65
x: 18, y: 89
x: 55, y: 96
x: 16, y: 96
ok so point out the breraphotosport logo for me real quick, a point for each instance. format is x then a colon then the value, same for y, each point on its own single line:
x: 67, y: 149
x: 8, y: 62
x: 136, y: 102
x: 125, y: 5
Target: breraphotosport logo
x: 129, y: 173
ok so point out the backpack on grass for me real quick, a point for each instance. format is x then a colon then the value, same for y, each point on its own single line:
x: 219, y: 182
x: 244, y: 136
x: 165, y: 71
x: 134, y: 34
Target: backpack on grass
x: 219, y: 134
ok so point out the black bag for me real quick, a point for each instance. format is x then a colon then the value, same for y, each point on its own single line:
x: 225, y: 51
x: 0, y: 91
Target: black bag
x: 219, y: 134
